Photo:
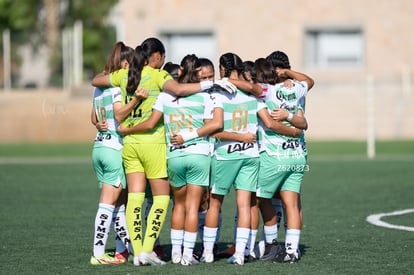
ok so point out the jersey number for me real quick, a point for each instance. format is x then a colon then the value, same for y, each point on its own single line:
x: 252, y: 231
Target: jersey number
x: 136, y: 112
x: 239, y: 120
x: 180, y: 120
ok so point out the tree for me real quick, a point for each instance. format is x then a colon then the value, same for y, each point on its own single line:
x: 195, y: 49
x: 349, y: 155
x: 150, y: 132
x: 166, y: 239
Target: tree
x: 21, y: 19
x: 40, y: 23
x: 98, y: 36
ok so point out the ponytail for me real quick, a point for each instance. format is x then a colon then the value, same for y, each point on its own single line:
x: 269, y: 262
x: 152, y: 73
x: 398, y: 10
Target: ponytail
x: 142, y: 53
x: 135, y: 70
x: 113, y: 62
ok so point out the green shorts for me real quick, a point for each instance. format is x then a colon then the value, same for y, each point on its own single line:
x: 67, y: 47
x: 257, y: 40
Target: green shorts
x: 108, y: 166
x: 150, y: 159
x: 194, y: 169
x: 241, y: 173
x: 280, y: 174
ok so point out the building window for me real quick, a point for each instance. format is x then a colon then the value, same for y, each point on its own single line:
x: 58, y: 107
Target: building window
x: 334, y: 49
x: 179, y: 44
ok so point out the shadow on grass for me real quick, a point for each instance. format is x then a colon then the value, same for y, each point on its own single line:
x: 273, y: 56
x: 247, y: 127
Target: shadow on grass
x: 224, y: 250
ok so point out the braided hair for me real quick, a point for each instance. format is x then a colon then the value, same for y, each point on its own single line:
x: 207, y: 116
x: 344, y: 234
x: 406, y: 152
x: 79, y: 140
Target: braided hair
x: 278, y: 59
x: 231, y: 62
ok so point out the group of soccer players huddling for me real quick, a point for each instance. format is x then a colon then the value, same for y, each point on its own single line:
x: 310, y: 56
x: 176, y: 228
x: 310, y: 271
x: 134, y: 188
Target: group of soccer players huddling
x: 172, y: 132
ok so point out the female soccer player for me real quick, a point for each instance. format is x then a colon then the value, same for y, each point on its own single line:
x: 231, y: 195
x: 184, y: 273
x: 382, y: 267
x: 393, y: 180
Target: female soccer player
x: 188, y: 155
x: 108, y: 165
x: 144, y: 154
x: 236, y: 159
x: 206, y: 73
x: 286, y: 155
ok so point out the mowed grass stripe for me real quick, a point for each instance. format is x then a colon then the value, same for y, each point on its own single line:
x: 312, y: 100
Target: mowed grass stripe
x: 317, y: 158
x: 48, y: 212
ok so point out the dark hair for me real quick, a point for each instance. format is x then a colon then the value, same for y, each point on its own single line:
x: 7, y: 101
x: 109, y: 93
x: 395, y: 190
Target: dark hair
x: 173, y: 69
x: 205, y: 62
x: 278, y: 59
x: 127, y: 53
x: 265, y: 72
x: 142, y: 54
x: 231, y: 62
x: 248, y: 66
x: 190, y: 66
x: 119, y: 52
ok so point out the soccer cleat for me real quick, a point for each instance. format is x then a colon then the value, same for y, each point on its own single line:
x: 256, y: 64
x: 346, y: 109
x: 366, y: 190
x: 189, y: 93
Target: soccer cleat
x: 237, y: 260
x: 299, y: 253
x: 104, y: 259
x: 228, y: 252
x: 160, y: 252
x: 122, y: 256
x: 215, y: 249
x: 197, y: 254
x: 207, y: 257
x: 136, y: 261
x: 260, y: 248
x: 271, y: 250
x: 150, y: 259
x: 286, y: 258
x: 185, y: 260
x: 176, y: 258
x: 250, y: 259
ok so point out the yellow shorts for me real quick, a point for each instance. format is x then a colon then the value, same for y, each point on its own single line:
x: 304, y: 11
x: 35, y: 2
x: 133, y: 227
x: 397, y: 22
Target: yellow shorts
x: 150, y: 159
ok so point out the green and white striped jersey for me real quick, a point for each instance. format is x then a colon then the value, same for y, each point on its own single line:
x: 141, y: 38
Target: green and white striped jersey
x: 279, y: 96
x: 240, y: 116
x: 186, y: 114
x: 103, y: 100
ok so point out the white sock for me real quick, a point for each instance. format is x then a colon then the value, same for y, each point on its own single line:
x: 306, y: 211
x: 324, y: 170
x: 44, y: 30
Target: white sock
x: 122, y: 240
x: 103, y: 221
x: 261, y: 244
x: 251, y: 242
x: 270, y: 233
x: 119, y: 245
x: 189, y: 243
x: 242, y: 237
x: 177, y: 237
x: 209, y: 238
x: 292, y: 240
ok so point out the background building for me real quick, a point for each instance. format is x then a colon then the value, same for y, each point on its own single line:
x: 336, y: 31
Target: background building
x: 351, y: 48
x: 360, y: 54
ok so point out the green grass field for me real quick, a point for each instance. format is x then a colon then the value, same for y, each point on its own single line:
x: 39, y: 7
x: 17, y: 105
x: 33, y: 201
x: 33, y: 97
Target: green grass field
x: 49, y: 199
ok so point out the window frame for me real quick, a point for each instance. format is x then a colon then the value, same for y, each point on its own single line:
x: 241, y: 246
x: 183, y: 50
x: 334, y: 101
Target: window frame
x: 316, y: 59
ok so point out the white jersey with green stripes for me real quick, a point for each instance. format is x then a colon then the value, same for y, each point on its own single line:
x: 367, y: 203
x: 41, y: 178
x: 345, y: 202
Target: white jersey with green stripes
x: 279, y: 96
x: 240, y: 116
x: 103, y: 100
x: 185, y: 114
x: 302, y: 136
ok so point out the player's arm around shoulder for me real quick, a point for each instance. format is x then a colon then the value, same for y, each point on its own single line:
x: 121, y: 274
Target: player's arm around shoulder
x: 296, y: 76
x: 277, y: 126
